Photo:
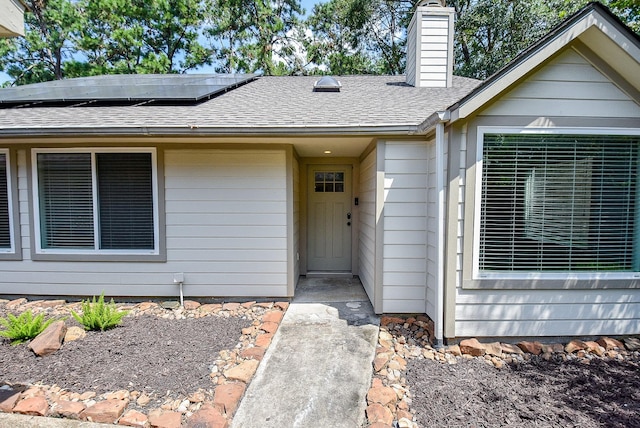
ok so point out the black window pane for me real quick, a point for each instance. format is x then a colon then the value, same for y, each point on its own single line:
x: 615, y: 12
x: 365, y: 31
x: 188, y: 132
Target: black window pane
x: 125, y: 200
x: 66, y: 201
x: 5, y: 231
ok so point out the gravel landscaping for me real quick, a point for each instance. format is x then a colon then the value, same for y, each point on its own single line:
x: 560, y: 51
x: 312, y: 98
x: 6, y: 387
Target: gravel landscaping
x: 537, y: 393
x: 169, y: 363
x: 578, y: 384
x: 161, y: 367
x: 149, y: 354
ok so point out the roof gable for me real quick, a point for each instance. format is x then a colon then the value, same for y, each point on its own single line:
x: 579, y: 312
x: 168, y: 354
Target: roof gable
x: 568, y: 85
x: 594, y: 32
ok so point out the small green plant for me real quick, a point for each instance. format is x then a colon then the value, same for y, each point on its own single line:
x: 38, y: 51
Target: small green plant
x: 23, y: 327
x: 98, y: 315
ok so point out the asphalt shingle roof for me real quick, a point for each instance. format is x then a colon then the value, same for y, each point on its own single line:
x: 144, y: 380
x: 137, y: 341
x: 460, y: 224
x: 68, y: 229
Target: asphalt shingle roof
x: 268, y: 102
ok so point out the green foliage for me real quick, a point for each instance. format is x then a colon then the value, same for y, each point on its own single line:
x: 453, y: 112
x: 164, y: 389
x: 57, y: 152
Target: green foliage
x: 358, y: 36
x: 490, y: 33
x: 73, y: 38
x: 142, y: 36
x: 23, y: 327
x: 98, y: 315
x: 47, y: 45
x: 628, y: 11
x: 256, y: 35
x: 333, y: 45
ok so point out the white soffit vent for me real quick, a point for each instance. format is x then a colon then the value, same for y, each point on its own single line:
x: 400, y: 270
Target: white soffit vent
x: 327, y: 84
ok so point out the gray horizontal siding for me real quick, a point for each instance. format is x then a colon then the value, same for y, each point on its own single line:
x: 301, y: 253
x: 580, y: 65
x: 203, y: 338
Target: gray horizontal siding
x: 405, y: 239
x: 568, y: 86
x: 225, y: 230
x: 367, y: 226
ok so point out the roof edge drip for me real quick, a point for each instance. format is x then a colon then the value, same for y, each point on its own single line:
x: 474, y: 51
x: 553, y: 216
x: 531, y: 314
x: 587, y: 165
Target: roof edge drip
x: 195, y: 130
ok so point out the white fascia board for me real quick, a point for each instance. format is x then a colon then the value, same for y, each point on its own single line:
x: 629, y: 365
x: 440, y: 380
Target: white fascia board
x: 11, y: 18
x: 198, y: 131
x: 538, y: 57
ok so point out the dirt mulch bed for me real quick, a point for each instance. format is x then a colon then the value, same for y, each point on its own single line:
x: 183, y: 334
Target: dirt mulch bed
x: 147, y: 353
x: 537, y: 393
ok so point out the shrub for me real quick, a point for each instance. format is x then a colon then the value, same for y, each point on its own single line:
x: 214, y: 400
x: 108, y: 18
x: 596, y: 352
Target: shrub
x: 23, y: 327
x: 98, y: 315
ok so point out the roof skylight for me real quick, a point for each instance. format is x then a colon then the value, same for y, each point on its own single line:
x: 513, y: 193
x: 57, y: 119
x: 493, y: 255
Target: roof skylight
x: 327, y: 84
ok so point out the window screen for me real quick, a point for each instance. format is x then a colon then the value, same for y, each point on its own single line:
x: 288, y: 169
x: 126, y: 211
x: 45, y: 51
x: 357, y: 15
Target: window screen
x: 5, y: 228
x: 559, y: 203
x: 115, y: 188
x: 125, y: 200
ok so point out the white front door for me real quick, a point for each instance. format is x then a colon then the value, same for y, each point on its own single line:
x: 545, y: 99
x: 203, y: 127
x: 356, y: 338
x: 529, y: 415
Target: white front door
x: 329, y: 218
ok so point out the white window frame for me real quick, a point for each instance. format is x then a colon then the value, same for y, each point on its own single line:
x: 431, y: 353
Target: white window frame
x: 477, y: 274
x: 96, y: 251
x: 12, y: 237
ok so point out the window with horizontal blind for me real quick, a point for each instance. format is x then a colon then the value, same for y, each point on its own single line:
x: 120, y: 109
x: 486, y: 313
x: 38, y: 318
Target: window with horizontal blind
x: 96, y: 201
x: 559, y: 203
x: 5, y: 206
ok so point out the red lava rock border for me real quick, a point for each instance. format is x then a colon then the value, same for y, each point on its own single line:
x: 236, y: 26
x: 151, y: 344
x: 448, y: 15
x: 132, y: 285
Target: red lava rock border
x: 402, y: 338
x: 230, y: 375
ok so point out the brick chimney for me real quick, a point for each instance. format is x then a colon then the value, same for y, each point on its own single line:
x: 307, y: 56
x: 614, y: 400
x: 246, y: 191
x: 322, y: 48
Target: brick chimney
x: 430, y: 45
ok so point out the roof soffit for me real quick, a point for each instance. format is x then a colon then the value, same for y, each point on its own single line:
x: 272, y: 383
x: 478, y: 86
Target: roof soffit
x: 600, y: 32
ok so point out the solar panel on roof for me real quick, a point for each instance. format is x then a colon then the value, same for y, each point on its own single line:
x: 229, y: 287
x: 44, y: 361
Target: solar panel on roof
x: 125, y: 88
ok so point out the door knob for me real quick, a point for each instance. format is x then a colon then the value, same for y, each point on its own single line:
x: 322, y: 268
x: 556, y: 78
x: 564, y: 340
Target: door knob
x: 348, y: 216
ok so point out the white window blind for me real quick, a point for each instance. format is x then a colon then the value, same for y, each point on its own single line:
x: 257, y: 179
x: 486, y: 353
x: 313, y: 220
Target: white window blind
x: 5, y: 227
x: 559, y: 203
x: 66, y: 200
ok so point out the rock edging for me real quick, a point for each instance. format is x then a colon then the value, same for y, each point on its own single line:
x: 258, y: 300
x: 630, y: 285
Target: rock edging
x: 230, y: 373
x: 405, y: 338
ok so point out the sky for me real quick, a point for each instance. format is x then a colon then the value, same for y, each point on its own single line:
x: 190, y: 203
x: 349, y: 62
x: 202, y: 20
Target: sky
x: 306, y: 4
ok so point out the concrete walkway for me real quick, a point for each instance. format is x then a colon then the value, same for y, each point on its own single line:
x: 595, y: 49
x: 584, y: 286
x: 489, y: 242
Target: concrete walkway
x: 315, y: 374
x: 317, y: 371
x: 10, y: 420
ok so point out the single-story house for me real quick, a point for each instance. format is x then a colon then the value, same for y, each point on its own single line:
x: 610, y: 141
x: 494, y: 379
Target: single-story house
x: 509, y: 207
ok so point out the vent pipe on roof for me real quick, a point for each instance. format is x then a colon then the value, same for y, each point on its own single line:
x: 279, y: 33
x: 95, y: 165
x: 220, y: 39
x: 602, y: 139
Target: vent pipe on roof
x: 430, y: 45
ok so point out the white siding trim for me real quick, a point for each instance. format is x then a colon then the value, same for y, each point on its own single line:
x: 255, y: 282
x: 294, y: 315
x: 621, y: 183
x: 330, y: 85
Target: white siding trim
x: 440, y: 238
x: 10, y: 197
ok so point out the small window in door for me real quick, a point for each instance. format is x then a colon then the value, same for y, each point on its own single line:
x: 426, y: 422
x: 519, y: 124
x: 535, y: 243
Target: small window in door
x: 329, y: 182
